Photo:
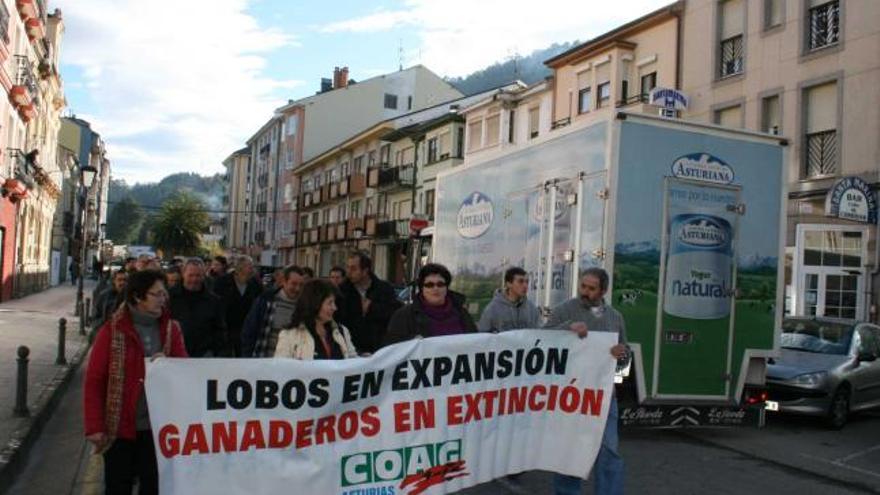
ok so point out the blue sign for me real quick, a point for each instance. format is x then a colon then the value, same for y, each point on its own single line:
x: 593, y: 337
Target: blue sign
x: 851, y: 198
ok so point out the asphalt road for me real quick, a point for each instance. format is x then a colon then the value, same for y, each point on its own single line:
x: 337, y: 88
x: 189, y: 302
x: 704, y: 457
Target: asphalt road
x: 778, y: 459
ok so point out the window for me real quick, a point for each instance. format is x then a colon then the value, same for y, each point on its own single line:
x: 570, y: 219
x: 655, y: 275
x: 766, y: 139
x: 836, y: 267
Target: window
x: 359, y: 165
x: 771, y: 115
x: 584, y: 97
x: 443, y: 145
x: 534, y: 120
x: 385, y: 154
x: 459, y: 142
x: 824, y: 25
x: 729, y: 117
x: 432, y: 150
x: 4, y: 23
x: 371, y: 158
x: 292, y: 124
x: 732, y: 56
x: 326, y: 216
x: 511, y: 119
x: 493, y: 129
x: 821, y: 140
x: 774, y: 13
x: 648, y: 83
x: 346, y: 170
x: 429, y: 204
x: 390, y: 101
x: 340, y: 212
x: 409, y: 102
x: 475, y: 135
x: 731, y: 48
x: 603, y: 94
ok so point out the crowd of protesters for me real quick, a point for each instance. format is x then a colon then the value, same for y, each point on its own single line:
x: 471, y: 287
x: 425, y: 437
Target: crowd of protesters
x: 221, y: 309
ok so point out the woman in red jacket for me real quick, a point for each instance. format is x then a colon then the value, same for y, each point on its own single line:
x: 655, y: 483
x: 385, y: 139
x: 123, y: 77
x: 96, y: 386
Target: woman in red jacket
x: 117, y: 420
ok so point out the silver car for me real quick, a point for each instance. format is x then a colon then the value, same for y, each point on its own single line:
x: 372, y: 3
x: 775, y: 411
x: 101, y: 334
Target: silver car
x: 828, y: 367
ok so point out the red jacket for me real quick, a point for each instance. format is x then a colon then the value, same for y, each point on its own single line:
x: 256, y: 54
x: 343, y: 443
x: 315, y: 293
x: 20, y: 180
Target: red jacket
x: 101, y: 405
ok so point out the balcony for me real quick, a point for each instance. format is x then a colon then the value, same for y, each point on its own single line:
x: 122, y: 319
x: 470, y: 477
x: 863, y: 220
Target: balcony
x: 333, y: 190
x: 370, y: 224
x: 397, y: 177
x: 24, y: 91
x: 352, y: 225
x: 28, y: 9
x: 392, y: 229
x: 35, y: 29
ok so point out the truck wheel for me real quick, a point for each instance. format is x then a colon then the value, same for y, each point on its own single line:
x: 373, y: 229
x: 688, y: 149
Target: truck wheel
x: 839, y: 409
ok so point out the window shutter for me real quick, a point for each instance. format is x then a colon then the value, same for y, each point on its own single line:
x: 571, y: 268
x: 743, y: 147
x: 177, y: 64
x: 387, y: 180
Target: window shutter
x: 731, y: 18
x: 822, y: 108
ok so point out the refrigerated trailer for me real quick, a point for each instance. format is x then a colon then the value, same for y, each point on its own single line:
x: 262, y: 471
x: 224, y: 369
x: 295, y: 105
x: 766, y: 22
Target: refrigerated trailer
x: 687, y: 218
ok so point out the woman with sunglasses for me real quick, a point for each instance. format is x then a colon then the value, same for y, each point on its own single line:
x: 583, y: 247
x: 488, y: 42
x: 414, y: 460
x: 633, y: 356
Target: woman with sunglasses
x: 314, y: 333
x: 435, y: 311
x: 117, y: 419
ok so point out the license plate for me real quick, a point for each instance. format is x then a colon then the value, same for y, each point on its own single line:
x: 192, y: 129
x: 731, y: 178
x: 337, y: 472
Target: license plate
x: 771, y: 405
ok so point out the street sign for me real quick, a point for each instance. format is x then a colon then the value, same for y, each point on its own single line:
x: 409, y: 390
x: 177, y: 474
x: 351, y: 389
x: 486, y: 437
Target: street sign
x: 416, y: 224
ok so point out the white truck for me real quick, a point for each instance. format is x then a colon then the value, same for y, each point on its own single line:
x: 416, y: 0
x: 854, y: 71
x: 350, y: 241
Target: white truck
x: 687, y: 218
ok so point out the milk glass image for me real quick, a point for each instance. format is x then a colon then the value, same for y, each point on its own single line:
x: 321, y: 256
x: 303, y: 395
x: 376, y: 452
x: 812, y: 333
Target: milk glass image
x: 699, y: 267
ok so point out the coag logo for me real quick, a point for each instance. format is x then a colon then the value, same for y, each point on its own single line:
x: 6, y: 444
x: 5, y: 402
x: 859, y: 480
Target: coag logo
x: 704, y: 167
x: 475, y: 215
x: 417, y: 467
x: 702, y: 232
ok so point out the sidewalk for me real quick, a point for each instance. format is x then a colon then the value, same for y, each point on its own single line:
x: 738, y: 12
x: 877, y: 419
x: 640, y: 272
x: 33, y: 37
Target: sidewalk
x: 32, y: 321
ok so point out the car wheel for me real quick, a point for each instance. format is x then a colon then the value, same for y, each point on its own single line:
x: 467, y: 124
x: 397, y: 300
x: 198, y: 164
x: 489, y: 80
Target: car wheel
x: 839, y: 409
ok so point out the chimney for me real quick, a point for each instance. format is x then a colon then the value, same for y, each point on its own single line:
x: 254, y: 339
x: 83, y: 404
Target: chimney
x: 340, y: 77
x: 326, y: 85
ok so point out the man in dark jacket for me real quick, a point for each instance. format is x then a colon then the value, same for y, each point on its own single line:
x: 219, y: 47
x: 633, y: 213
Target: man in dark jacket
x: 435, y: 311
x: 270, y: 313
x: 108, y: 300
x: 199, y: 312
x: 238, y: 290
x: 366, y: 305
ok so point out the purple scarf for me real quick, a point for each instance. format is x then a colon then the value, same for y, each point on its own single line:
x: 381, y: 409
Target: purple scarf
x: 443, y: 320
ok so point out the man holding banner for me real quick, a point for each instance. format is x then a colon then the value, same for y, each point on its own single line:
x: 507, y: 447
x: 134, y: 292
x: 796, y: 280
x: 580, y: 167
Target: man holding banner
x: 589, y: 311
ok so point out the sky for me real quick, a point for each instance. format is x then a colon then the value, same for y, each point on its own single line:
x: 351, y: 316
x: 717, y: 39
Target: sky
x: 177, y: 86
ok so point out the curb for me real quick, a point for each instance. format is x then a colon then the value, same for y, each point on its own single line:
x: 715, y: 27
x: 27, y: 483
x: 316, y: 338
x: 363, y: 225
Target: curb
x: 14, y: 454
x: 789, y: 466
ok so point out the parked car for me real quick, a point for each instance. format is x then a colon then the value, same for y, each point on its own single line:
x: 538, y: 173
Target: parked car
x: 828, y: 367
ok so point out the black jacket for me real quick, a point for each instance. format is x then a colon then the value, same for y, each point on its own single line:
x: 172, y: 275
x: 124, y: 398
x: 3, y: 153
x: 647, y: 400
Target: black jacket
x: 202, y: 320
x: 237, y: 305
x: 367, y: 330
x: 411, y: 320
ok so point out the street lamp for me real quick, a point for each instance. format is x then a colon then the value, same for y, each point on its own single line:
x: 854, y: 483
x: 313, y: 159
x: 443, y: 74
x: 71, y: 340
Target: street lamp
x: 87, y: 175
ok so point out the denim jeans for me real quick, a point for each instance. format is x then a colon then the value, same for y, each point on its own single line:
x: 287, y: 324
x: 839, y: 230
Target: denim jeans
x: 608, y: 469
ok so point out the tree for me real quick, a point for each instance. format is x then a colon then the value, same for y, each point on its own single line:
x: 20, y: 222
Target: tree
x: 124, y: 222
x: 179, y: 225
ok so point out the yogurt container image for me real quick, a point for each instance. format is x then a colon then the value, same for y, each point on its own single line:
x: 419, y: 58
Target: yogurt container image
x: 699, y: 267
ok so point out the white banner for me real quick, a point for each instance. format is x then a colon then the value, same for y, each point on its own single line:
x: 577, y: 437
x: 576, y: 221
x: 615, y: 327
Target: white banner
x: 426, y: 416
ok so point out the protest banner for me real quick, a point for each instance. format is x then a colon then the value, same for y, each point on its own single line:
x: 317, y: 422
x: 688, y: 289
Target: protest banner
x: 425, y: 416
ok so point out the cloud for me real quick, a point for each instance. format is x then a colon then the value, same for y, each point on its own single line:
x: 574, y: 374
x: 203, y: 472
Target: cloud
x: 174, y: 85
x: 461, y: 36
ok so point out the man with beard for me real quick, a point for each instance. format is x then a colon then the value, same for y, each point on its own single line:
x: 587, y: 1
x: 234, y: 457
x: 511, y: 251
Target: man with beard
x: 271, y: 312
x: 589, y: 312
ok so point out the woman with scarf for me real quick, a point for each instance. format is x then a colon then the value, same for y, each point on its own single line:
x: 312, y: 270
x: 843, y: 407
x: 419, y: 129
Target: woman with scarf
x: 435, y: 311
x: 313, y: 333
x: 117, y: 420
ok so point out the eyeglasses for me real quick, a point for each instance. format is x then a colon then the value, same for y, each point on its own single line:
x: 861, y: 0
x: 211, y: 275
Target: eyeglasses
x: 159, y: 294
x: 431, y: 285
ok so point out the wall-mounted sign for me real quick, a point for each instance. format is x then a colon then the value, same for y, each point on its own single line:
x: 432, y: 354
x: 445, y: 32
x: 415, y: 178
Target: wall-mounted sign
x: 669, y: 98
x: 851, y: 198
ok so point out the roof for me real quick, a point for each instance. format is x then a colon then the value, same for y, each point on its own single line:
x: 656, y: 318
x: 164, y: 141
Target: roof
x: 605, y: 40
x: 273, y: 120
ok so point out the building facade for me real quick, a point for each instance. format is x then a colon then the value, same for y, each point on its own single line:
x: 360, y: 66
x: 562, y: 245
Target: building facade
x: 30, y: 40
x: 807, y: 70
x: 84, y: 146
x: 236, y: 191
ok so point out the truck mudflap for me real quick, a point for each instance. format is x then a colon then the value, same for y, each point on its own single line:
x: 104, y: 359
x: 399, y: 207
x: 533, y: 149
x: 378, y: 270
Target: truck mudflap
x: 689, y: 416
